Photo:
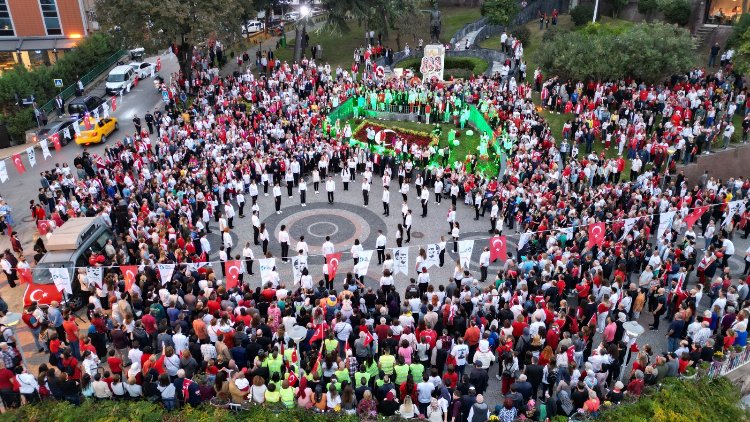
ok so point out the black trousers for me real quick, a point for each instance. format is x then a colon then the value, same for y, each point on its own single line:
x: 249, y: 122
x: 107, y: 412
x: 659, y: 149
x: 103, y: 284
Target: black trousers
x: 366, y: 197
x: 386, y: 209
x: 278, y: 203
x: 256, y: 233
x: 381, y: 254
x: 302, y: 196
x: 483, y: 272
x: 330, y: 197
x: 284, y: 251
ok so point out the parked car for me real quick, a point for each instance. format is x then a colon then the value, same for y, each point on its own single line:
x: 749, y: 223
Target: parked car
x: 291, y: 16
x: 62, y: 126
x: 143, y: 69
x: 98, y: 132
x: 252, y: 27
x: 86, y: 104
x: 119, y: 78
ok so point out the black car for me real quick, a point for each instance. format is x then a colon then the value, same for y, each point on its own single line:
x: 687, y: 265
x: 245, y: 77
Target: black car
x: 61, y: 126
x: 86, y: 104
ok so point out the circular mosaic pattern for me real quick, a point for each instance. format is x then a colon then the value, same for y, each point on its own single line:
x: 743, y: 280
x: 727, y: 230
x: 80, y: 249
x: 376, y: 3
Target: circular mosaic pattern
x: 342, y: 222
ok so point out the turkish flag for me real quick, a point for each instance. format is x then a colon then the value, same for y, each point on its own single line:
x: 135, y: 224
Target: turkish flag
x: 317, y: 363
x: 233, y: 269
x: 292, y: 379
x: 295, y: 358
x: 24, y: 275
x: 135, y: 81
x: 114, y: 103
x: 44, y: 226
x: 86, y: 121
x: 42, y: 294
x: 368, y: 338
x: 129, y: 272
x: 333, y: 260
x: 56, y: 141
x: 498, y: 248
x: 694, y: 216
x: 319, y: 333
x: 596, y: 234
x: 19, y: 164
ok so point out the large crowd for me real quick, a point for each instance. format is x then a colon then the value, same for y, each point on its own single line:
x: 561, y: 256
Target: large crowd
x: 429, y: 348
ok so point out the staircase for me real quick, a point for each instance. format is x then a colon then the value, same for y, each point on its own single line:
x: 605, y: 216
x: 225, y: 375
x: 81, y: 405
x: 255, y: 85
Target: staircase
x: 703, y: 35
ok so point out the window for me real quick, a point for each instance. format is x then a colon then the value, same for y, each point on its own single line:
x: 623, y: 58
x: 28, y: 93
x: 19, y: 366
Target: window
x: 6, y: 23
x: 50, y: 16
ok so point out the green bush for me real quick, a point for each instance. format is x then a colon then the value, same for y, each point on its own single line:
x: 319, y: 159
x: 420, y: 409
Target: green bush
x: 648, y: 7
x: 553, y: 32
x: 458, y: 67
x: 144, y: 411
x: 38, y: 81
x: 523, y: 33
x: 649, y: 52
x: 739, y: 29
x: 676, y: 11
x: 582, y: 14
x: 704, y: 400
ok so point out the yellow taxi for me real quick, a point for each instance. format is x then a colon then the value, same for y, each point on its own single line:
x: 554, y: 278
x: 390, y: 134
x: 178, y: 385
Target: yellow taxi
x: 99, y: 130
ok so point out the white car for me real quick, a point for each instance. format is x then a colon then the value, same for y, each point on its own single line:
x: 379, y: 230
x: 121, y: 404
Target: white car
x: 143, y: 69
x: 291, y: 17
x: 253, y: 26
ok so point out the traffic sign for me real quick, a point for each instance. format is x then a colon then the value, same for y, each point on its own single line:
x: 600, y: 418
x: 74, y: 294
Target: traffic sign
x: 58, y: 83
x: 165, y: 96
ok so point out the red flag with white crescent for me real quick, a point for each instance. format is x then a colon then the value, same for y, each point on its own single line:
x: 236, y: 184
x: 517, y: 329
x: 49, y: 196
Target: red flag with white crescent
x: 498, y: 248
x: 295, y: 358
x: 19, y: 164
x: 292, y: 379
x: 129, y: 273
x: 368, y: 337
x: 56, y: 141
x: 319, y: 333
x: 44, y: 227
x: 42, y: 294
x: 233, y: 269
x: 333, y: 260
x: 87, y: 121
x: 571, y: 353
x: 317, y: 363
x: 24, y: 275
x: 695, y: 215
x: 596, y: 234
x: 114, y: 103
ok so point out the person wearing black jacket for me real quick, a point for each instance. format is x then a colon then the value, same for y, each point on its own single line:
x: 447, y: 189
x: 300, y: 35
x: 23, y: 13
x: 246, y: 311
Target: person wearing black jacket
x: 534, y: 375
x: 479, y: 378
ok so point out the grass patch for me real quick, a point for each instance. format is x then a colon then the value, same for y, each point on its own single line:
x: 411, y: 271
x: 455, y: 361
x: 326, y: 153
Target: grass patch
x: 457, y: 67
x: 338, y: 48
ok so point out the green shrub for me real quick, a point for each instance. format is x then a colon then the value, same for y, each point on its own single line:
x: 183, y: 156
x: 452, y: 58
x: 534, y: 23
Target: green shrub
x: 553, y: 32
x: 742, y: 25
x: 704, y: 400
x: 523, y: 33
x: 582, y: 14
x: 676, y: 11
x: 648, y: 7
x: 458, y: 67
x: 144, y: 411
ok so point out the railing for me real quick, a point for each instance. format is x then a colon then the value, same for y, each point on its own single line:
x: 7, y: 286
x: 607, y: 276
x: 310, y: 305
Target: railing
x: 469, y: 27
x: 734, y: 360
x: 86, y: 79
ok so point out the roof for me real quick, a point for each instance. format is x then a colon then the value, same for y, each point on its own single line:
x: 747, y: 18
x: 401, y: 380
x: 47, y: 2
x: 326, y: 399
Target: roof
x: 65, y: 237
x: 120, y: 69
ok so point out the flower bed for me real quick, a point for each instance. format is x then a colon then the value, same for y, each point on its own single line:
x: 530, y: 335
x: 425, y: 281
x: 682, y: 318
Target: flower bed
x: 410, y: 137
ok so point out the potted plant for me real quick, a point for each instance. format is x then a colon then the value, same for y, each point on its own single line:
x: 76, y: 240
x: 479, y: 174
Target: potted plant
x: 703, y: 369
x: 690, y: 373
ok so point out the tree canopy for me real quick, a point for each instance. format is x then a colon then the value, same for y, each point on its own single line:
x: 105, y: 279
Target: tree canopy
x: 649, y: 52
x: 381, y: 14
x: 500, y: 12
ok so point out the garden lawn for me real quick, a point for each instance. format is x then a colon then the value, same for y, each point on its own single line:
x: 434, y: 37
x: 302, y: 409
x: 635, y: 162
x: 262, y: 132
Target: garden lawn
x: 338, y: 48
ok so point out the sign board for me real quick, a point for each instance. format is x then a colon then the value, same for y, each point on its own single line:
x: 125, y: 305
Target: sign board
x: 165, y: 96
x: 433, y: 62
x: 58, y: 83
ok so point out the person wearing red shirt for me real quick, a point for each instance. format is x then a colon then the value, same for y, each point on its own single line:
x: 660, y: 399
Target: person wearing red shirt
x: 518, y: 326
x: 149, y: 324
x: 114, y: 362
x: 11, y: 399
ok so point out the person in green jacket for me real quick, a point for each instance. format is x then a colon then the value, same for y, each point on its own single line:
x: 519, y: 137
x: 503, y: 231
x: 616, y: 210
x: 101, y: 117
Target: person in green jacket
x: 288, y: 395
x: 416, y: 369
x: 401, y: 370
x: 274, y: 363
x: 386, y: 362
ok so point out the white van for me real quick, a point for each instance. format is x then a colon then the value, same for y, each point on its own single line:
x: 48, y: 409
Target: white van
x: 253, y: 26
x: 119, y: 78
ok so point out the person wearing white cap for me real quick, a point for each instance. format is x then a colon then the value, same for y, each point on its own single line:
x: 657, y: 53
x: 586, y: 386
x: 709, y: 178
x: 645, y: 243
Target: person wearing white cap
x: 479, y: 412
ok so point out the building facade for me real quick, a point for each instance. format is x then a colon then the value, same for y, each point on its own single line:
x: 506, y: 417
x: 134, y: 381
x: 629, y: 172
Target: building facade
x: 37, y: 32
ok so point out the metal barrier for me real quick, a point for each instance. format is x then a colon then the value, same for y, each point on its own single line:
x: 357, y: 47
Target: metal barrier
x: 86, y: 79
x: 732, y: 361
x: 469, y: 27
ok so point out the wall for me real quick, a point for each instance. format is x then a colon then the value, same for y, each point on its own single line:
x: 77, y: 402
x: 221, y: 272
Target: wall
x: 722, y: 164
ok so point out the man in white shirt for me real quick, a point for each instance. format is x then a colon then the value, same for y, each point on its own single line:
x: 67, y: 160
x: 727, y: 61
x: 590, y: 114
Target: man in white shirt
x: 330, y: 188
x: 407, y: 224
x: 277, y: 197
x: 302, y: 246
x: 327, y: 248
x: 284, y: 241
x: 380, y: 246
x: 229, y: 213
x: 484, y: 263
x: 386, y: 201
x: 438, y: 191
x: 425, y: 198
x: 241, y: 203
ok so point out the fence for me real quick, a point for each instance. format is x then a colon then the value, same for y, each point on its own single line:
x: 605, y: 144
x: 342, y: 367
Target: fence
x: 734, y: 360
x: 468, y: 28
x: 85, y: 79
x: 531, y: 11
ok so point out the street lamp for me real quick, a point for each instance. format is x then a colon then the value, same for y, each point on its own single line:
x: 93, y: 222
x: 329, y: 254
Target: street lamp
x: 633, y: 329
x: 11, y: 319
x: 300, y: 35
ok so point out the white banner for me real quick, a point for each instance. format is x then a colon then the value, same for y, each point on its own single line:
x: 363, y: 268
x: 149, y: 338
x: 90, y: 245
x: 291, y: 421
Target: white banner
x: 266, y: 267
x: 77, y: 126
x: 195, y: 266
x: 165, y: 271
x: 629, y: 224
x: 568, y: 231
x: 465, y: 248
x: 3, y: 172
x: 665, y: 223
x: 94, y: 276
x: 734, y: 207
x: 61, y: 278
x: 299, y: 263
x: 45, y: 148
x: 525, y: 238
x: 433, y: 61
x: 433, y: 255
x: 363, y: 265
x: 32, y: 156
x: 401, y: 261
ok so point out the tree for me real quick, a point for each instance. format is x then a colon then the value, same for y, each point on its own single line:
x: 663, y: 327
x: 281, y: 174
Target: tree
x: 500, y: 12
x: 647, y: 8
x: 676, y: 11
x: 385, y: 15
x: 183, y: 23
x: 648, y: 52
x: 617, y: 6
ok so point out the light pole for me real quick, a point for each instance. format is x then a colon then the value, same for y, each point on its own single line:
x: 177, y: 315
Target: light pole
x: 301, y: 33
x: 633, y: 330
x: 596, y: 9
x: 11, y: 319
